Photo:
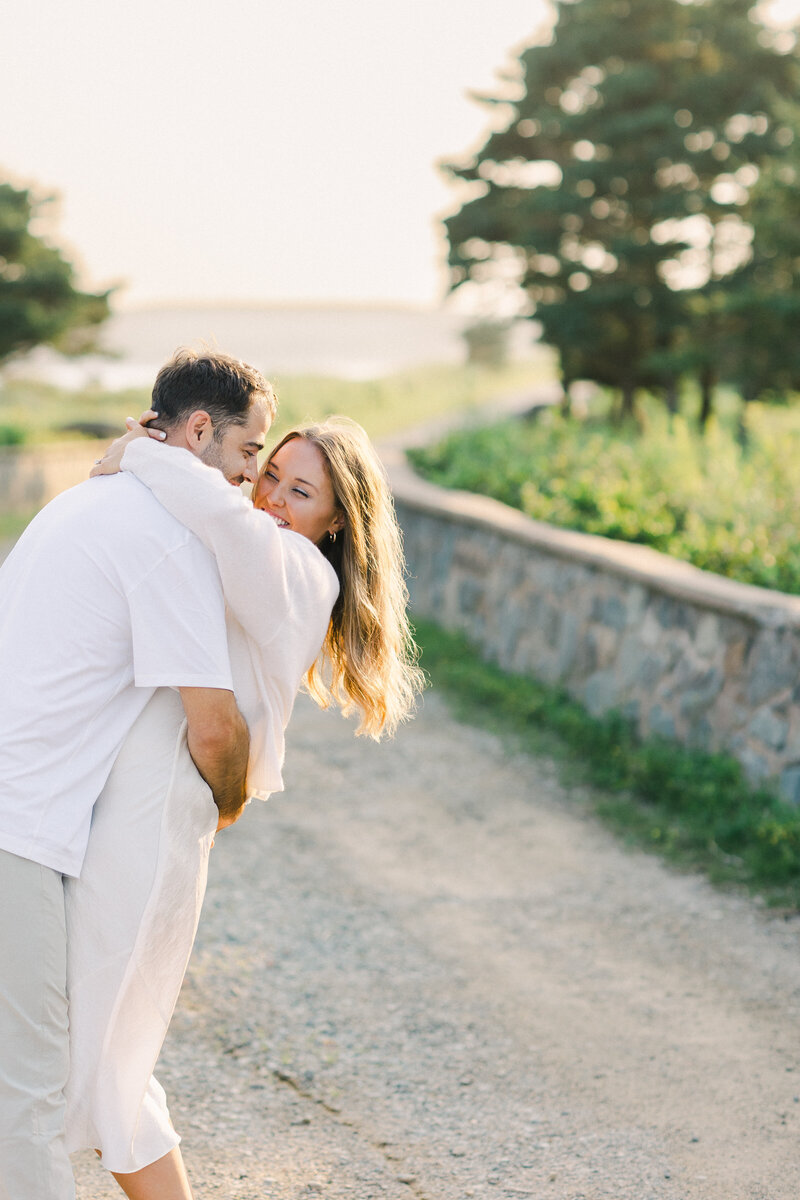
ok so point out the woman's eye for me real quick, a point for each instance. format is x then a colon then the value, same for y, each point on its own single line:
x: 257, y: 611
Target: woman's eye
x: 300, y: 492
x: 269, y: 475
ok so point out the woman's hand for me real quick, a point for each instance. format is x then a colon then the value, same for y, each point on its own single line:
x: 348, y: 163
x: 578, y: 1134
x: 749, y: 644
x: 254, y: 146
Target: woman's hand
x: 109, y: 464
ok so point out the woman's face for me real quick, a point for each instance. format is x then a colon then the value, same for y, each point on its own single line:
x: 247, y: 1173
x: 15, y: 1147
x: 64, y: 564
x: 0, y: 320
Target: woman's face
x: 295, y: 489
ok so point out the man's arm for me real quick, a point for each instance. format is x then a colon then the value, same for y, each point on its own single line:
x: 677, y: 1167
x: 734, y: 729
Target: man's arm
x: 219, y: 743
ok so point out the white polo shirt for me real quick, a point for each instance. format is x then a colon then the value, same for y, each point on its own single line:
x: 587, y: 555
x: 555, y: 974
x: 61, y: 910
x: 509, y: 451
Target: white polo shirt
x: 104, y: 598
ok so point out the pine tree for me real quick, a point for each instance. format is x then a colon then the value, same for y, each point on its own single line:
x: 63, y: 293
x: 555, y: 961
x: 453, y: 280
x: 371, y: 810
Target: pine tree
x: 652, y: 118
x: 762, y: 302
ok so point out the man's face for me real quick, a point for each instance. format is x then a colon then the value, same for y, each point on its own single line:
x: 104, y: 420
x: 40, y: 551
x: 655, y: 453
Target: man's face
x: 234, y: 454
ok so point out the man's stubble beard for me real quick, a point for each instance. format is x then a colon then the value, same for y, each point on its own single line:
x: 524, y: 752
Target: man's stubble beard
x: 212, y: 456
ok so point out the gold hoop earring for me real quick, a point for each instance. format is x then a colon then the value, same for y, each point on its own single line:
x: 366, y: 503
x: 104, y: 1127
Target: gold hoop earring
x: 332, y: 535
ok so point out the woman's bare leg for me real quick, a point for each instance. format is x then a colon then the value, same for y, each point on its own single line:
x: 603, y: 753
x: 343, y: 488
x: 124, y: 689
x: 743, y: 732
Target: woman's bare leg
x: 164, y: 1179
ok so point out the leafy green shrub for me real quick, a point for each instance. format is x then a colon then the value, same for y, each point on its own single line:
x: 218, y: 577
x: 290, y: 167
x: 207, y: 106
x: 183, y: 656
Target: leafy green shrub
x: 708, y: 500
x: 11, y: 435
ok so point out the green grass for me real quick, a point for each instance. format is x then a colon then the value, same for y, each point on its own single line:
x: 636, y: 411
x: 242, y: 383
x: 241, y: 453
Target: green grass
x: 405, y: 399
x: 12, y: 524
x: 712, y: 501
x: 38, y: 412
x: 695, y: 809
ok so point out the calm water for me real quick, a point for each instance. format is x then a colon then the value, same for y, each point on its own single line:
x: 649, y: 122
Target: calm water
x: 353, y: 342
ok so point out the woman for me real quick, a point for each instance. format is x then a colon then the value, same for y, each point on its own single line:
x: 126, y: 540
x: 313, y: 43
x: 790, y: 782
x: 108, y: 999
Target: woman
x: 313, y: 577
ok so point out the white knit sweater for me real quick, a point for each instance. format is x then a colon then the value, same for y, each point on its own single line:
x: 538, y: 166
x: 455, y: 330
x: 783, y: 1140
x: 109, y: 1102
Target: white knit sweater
x: 279, y: 590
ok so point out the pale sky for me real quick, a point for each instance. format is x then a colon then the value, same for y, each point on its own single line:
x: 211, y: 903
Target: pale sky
x: 254, y: 150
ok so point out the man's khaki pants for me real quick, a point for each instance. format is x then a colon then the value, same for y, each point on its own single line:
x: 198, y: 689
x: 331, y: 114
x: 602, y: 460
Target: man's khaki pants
x: 34, y: 1041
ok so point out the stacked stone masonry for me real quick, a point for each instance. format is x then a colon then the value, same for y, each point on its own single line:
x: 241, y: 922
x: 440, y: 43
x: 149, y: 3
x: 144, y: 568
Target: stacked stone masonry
x: 682, y: 653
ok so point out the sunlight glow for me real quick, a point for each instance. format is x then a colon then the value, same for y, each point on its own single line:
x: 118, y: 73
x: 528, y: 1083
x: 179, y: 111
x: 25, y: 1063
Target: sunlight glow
x: 254, y: 152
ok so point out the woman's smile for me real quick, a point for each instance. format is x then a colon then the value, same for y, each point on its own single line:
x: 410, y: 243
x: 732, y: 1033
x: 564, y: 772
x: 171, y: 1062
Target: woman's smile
x: 281, y: 520
x: 295, y: 489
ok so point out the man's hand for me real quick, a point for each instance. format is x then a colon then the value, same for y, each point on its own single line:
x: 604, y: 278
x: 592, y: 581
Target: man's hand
x: 219, y: 743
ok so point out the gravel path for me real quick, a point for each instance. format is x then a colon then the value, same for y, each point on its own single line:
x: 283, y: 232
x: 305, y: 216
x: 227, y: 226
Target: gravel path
x: 425, y: 971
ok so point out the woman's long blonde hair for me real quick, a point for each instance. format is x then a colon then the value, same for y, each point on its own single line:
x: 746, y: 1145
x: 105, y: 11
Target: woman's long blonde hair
x: 368, y: 660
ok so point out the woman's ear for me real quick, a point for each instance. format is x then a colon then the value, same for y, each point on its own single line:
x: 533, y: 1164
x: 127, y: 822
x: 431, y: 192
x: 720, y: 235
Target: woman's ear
x: 337, y: 524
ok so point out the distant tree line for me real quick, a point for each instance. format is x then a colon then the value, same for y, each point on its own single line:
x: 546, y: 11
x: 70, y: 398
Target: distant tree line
x: 644, y: 195
x: 39, y: 299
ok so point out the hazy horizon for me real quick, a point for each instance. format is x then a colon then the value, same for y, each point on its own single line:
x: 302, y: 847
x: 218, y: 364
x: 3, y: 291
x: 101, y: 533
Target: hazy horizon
x: 350, y: 341
x: 321, y: 303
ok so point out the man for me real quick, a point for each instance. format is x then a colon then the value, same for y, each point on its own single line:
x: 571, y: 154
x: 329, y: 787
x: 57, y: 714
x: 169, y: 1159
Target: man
x: 104, y: 599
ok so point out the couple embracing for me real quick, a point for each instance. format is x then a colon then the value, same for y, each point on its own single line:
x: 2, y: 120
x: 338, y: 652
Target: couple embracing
x: 155, y: 627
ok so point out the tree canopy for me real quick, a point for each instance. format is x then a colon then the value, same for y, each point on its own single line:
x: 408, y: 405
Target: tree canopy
x: 39, y: 302
x: 642, y: 192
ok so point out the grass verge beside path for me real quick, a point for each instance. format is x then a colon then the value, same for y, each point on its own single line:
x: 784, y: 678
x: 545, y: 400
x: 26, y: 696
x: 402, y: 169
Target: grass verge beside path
x: 33, y: 412
x: 695, y: 809
x: 12, y: 524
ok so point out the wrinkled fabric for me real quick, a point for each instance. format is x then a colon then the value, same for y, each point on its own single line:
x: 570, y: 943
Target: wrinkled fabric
x: 33, y: 1033
x: 131, y: 922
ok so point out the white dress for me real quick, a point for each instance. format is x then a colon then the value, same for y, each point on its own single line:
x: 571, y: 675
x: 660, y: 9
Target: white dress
x: 132, y: 915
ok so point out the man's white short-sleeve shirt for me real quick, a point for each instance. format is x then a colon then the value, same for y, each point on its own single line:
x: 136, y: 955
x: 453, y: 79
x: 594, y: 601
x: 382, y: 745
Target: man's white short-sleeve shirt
x: 104, y: 598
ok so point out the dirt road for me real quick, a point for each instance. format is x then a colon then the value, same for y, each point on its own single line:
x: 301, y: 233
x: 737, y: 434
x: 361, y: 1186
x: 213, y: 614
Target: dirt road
x: 426, y: 972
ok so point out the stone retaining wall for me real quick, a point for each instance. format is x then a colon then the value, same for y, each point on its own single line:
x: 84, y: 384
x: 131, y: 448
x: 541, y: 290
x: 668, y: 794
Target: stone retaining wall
x: 683, y: 653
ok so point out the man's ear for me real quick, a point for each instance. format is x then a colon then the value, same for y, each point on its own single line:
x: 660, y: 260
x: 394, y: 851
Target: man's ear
x: 198, y: 431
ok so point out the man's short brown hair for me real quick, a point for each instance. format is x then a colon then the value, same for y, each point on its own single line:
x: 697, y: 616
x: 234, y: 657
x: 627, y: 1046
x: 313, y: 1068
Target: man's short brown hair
x: 220, y: 385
